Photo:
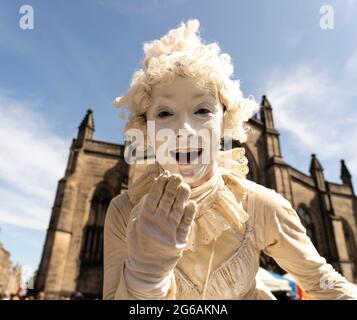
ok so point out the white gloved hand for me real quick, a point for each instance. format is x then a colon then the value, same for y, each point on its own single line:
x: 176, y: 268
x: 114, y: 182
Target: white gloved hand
x: 157, y: 236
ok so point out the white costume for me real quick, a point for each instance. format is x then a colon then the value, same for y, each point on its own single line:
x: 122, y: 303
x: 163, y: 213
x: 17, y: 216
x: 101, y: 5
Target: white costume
x: 165, y: 240
x: 236, y: 219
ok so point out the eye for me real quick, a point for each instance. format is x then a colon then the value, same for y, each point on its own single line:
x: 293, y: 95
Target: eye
x: 164, y: 114
x: 202, y: 111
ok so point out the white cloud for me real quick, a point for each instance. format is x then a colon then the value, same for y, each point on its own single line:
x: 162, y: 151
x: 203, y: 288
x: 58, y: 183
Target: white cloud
x: 317, y: 112
x: 33, y: 159
x: 351, y: 64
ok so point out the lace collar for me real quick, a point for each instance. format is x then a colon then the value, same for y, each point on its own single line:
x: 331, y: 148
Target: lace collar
x: 220, y: 200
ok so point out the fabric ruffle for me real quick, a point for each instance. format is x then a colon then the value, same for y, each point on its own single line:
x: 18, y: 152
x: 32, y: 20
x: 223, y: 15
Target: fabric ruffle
x: 220, y: 200
x: 224, y: 210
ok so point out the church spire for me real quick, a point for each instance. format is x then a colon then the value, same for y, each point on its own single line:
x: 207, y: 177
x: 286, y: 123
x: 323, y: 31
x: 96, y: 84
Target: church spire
x: 266, y: 113
x: 345, y: 175
x: 315, y: 164
x: 86, y: 129
x: 317, y: 172
x: 271, y: 134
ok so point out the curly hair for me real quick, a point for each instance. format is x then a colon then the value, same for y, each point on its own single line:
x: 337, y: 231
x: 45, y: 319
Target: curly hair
x: 181, y: 52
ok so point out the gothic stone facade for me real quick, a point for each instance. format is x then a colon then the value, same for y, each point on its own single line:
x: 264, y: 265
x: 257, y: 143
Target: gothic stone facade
x: 96, y: 172
x: 10, y: 275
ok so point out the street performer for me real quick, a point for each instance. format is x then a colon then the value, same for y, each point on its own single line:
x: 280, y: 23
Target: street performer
x: 193, y: 226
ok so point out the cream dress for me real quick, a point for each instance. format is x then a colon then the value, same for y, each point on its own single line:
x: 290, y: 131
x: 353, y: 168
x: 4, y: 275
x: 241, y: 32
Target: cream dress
x: 235, y: 221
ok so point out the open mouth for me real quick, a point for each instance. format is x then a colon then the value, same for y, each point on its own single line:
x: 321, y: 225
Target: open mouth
x: 186, y: 157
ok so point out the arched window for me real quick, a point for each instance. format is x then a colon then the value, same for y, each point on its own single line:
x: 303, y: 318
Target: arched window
x: 99, y: 205
x: 90, y: 279
x: 351, y: 246
x: 92, y: 249
x: 308, y: 224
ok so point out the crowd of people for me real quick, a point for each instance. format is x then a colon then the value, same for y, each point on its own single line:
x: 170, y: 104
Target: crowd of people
x: 38, y: 296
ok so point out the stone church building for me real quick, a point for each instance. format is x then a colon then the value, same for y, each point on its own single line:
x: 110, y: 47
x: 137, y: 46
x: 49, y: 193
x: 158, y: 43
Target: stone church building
x: 96, y: 172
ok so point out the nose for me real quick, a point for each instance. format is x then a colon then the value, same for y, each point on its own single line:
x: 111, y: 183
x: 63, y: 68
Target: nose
x: 186, y: 128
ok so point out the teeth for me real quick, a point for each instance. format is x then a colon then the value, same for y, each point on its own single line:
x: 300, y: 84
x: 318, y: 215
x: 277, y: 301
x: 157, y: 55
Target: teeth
x: 185, y: 157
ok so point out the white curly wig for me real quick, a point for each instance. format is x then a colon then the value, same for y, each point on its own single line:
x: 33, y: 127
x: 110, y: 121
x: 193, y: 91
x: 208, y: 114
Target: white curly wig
x: 181, y: 52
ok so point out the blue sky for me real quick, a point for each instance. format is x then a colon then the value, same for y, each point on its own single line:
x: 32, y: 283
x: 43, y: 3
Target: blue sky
x: 82, y: 54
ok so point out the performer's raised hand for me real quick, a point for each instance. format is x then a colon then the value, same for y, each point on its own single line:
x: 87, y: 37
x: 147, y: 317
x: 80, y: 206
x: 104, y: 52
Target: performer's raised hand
x: 158, y: 231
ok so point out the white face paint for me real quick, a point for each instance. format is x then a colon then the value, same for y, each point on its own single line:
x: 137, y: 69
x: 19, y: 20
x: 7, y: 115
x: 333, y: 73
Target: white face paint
x: 190, y: 117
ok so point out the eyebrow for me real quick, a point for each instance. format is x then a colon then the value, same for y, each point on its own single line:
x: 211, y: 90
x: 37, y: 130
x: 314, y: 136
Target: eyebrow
x: 198, y: 95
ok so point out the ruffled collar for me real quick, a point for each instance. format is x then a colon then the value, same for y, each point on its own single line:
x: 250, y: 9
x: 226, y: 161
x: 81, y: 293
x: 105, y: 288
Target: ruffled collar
x: 220, y: 200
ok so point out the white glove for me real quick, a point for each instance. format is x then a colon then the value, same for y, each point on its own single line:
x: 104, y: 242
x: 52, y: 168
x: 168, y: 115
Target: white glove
x: 157, y: 235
